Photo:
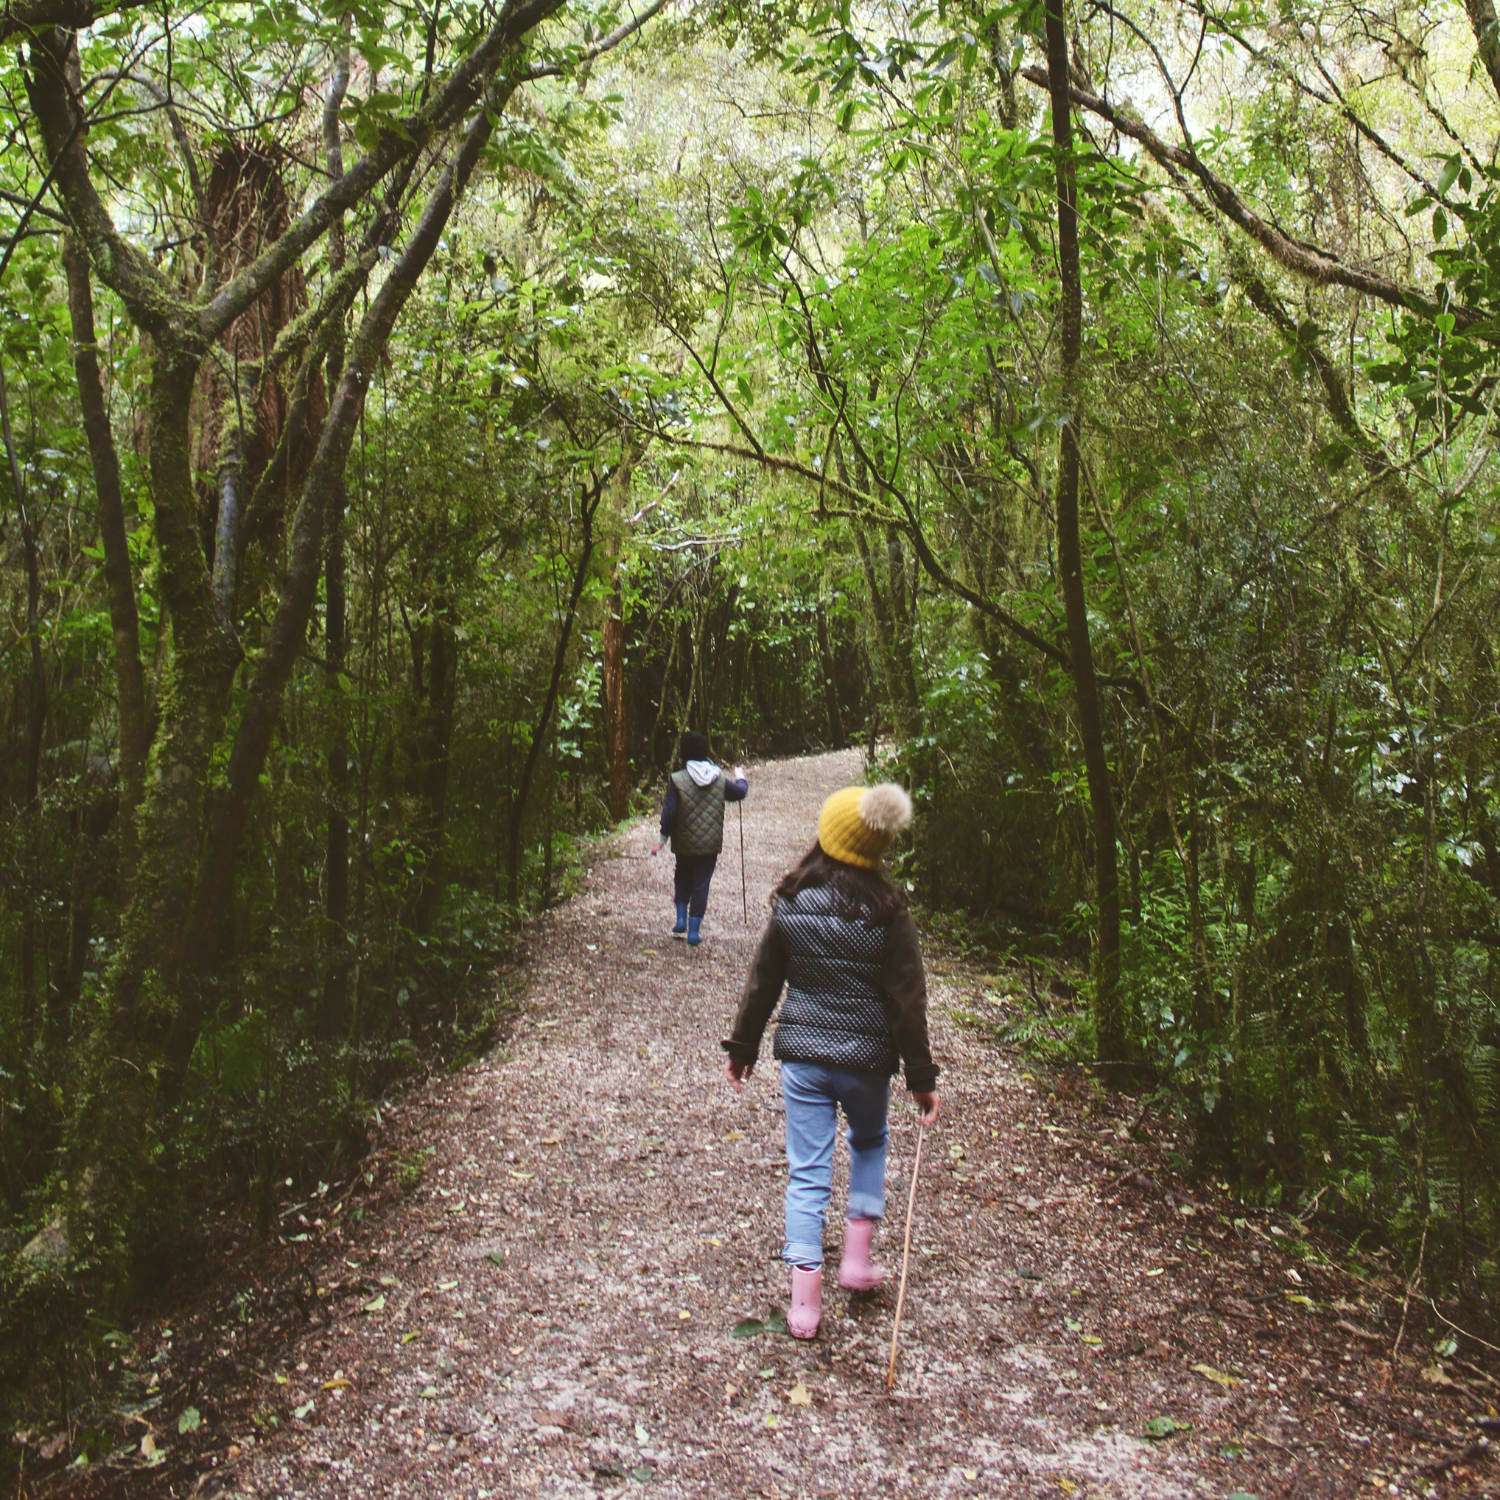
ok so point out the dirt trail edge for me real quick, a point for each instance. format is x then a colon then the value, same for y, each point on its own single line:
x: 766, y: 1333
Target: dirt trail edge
x: 552, y: 1309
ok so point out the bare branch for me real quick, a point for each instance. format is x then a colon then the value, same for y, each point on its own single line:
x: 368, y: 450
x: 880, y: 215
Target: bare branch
x: 621, y: 33
x: 907, y: 523
x: 1308, y: 261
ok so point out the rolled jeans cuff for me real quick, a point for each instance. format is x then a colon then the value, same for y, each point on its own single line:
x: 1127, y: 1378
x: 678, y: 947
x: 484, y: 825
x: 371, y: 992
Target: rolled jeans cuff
x: 866, y: 1205
x: 795, y: 1254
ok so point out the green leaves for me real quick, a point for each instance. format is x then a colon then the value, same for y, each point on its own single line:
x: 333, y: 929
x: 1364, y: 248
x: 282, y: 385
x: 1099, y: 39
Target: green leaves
x: 1159, y: 1429
x: 372, y: 116
x: 749, y: 1328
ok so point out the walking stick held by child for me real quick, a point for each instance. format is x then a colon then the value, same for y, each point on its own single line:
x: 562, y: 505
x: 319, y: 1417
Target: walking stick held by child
x: 744, y: 896
x: 911, y: 1203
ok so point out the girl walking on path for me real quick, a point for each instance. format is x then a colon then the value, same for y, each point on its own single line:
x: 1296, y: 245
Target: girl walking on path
x: 693, y: 818
x: 843, y: 943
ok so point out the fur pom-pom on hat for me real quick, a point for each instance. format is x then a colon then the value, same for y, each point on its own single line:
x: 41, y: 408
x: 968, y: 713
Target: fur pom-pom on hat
x: 858, y: 824
x: 885, y: 808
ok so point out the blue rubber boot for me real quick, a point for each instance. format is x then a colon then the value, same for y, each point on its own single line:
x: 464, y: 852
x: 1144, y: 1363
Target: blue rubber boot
x: 682, y: 925
x: 694, y: 936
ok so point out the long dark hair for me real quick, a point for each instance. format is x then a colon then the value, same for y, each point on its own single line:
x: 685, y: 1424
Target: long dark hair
x: 859, y: 892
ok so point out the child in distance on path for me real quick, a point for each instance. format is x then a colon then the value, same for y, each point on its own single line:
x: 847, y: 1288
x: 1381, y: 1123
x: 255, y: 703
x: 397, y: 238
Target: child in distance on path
x: 843, y: 943
x: 693, y: 818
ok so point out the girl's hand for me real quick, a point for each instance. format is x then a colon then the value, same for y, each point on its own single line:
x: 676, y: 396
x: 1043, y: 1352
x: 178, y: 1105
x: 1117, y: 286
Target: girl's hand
x: 927, y: 1106
x: 737, y: 1073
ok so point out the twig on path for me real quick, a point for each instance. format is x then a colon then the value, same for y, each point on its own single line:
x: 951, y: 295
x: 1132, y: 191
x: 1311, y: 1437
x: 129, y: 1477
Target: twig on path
x: 1120, y: 1182
x: 1311, y: 1208
x: 911, y: 1204
x: 1260, y: 1437
x: 1454, y: 1326
x: 1445, y: 1461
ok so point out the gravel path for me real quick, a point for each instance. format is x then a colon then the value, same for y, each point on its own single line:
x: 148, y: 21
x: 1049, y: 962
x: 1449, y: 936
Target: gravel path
x: 549, y: 1310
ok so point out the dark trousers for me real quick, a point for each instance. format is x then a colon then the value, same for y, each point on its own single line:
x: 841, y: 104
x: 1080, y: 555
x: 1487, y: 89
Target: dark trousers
x: 690, y: 881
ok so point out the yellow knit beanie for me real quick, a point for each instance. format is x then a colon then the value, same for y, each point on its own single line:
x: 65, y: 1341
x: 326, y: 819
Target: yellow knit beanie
x: 858, y: 824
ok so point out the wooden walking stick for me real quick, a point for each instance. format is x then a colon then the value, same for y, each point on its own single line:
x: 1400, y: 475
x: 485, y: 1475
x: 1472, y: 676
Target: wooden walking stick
x: 744, y: 896
x: 911, y: 1203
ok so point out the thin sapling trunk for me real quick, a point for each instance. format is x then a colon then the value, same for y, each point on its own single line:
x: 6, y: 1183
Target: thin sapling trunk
x: 1109, y: 1029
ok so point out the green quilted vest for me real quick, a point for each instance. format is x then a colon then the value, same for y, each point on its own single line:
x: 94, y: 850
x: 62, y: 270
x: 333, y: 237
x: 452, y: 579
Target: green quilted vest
x: 699, y: 828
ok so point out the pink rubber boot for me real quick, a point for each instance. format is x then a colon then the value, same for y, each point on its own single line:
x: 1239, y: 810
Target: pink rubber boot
x: 807, y: 1303
x: 857, y: 1271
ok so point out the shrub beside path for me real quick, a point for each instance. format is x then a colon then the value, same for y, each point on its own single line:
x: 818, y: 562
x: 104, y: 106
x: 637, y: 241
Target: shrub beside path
x: 551, y: 1309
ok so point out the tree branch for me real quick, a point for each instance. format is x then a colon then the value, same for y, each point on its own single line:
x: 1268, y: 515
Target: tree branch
x: 621, y: 33
x: 288, y: 631
x: 905, y: 522
x: 1308, y: 261
x: 1486, y: 36
x: 442, y: 112
x: 130, y: 688
x: 152, y: 300
x: 32, y: 19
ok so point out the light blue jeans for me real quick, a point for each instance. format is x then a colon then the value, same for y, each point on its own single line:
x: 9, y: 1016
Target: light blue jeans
x: 814, y: 1093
